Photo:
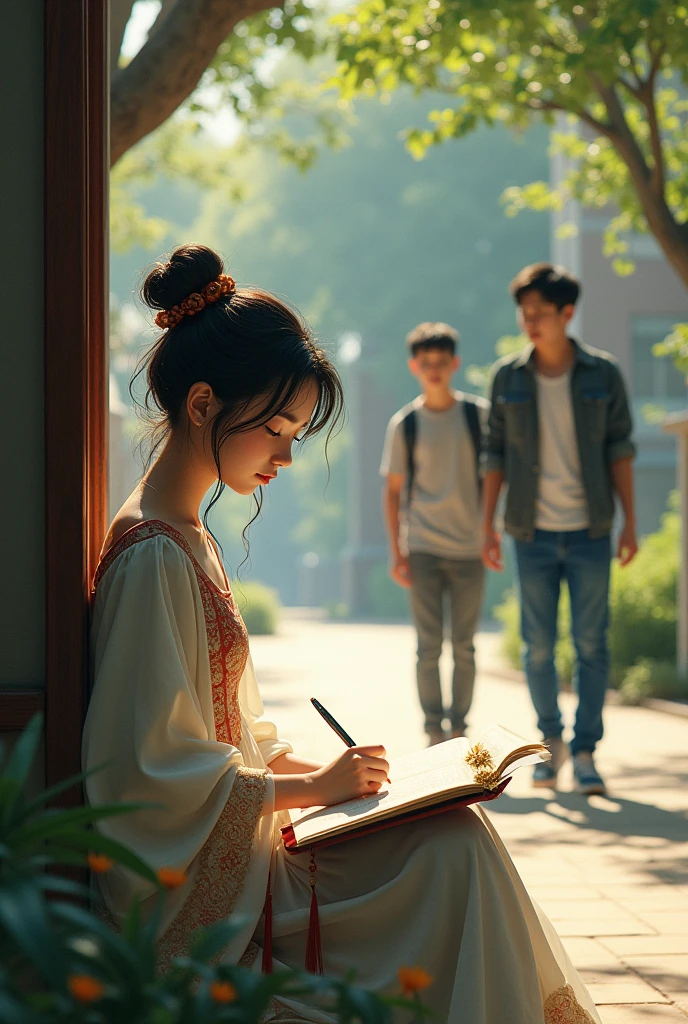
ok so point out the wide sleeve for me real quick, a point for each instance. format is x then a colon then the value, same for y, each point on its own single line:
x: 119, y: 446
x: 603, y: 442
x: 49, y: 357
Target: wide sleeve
x: 150, y: 718
x: 263, y: 731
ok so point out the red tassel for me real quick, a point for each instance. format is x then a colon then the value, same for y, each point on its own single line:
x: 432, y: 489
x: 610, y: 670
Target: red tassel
x: 314, y: 957
x: 267, y: 931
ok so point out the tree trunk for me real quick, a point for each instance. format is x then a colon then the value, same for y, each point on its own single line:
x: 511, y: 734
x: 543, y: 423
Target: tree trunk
x: 169, y: 66
x: 671, y: 236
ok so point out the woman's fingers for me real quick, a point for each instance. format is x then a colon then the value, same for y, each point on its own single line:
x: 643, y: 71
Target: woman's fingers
x: 374, y: 764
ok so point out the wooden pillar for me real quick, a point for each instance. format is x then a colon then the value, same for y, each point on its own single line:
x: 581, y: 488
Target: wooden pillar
x: 76, y: 169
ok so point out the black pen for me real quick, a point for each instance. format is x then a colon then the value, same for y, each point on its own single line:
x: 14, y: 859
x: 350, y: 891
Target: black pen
x: 334, y: 724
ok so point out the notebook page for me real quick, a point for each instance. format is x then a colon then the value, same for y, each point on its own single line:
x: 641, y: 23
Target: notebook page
x: 413, y: 790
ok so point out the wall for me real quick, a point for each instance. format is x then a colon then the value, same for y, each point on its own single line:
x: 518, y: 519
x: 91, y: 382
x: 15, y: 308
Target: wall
x: 21, y: 346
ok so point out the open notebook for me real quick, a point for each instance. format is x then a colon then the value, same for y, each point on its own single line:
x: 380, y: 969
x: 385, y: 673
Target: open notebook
x: 437, y: 777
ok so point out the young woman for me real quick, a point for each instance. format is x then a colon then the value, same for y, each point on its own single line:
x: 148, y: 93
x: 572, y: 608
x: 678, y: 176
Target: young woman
x: 176, y: 716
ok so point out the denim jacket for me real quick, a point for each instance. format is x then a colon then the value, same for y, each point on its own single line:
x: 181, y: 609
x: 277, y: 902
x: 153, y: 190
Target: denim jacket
x: 603, y: 431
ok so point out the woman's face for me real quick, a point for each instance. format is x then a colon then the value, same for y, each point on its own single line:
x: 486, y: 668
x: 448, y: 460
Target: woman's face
x: 253, y: 458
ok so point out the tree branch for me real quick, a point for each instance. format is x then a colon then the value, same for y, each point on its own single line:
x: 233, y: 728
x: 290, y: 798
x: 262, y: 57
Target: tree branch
x: 671, y: 236
x: 120, y: 12
x: 169, y: 66
x: 647, y: 97
x: 580, y: 112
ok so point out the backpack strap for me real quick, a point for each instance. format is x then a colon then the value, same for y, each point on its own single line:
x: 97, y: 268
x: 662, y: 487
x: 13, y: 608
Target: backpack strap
x: 410, y: 427
x: 475, y: 429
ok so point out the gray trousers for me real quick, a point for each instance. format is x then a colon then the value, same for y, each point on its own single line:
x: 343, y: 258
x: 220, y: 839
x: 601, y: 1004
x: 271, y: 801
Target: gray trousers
x: 463, y: 580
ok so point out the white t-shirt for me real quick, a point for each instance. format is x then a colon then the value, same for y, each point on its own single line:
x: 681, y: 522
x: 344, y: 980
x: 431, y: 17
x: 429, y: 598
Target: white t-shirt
x: 444, y: 517
x: 561, y: 503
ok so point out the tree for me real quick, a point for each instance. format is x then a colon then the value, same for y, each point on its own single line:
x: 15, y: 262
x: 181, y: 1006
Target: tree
x: 616, y: 68
x: 206, y: 42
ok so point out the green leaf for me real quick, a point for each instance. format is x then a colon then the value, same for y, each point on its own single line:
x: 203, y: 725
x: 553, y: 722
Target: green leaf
x: 60, y: 821
x: 49, y: 794
x: 212, y: 940
x: 24, y: 915
x: 16, y: 770
x: 118, y: 955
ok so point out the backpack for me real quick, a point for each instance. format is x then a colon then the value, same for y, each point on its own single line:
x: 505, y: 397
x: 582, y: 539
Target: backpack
x: 410, y: 426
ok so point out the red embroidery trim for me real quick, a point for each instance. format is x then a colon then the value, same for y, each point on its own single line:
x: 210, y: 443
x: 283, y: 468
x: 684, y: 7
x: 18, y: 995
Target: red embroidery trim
x: 226, y: 633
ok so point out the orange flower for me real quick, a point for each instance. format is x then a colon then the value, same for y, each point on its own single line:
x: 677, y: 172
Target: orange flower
x: 168, y: 318
x: 171, y: 878
x: 193, y: 303
x: 99, y: 863
x: 223, y: 992
x: 84, y: 988
x: 413, y: 979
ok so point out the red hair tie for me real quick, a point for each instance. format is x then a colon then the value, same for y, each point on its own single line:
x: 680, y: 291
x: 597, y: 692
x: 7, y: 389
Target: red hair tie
x: 194, y: 303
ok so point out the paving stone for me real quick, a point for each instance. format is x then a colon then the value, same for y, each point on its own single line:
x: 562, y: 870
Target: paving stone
x: 645, y: 945
x: 590, y: 954
x: 666, y: 922
x: 626, y: 991
x: 590, y: 910
x: 668, y: 973
x: 603, y: 927
x: 542, y: 893
x: 639, y: 1014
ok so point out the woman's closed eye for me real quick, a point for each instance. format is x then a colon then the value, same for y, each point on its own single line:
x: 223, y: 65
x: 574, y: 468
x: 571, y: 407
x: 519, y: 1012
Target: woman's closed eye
x: 278, y: 433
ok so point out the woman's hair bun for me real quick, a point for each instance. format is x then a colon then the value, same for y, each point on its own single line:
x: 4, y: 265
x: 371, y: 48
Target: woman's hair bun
x: 189, y: 269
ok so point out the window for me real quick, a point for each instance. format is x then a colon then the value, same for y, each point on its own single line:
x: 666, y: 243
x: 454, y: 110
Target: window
x: 652, y: 377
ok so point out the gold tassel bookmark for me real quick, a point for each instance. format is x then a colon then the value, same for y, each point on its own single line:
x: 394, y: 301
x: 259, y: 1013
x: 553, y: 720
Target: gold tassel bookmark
x: 481, y: 761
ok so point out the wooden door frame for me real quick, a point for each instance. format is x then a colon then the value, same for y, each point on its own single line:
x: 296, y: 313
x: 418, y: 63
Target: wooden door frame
x: 76, y: 166
x: 76, y: 332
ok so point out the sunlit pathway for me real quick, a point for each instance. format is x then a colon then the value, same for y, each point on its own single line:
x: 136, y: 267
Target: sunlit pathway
x: 611, y: 873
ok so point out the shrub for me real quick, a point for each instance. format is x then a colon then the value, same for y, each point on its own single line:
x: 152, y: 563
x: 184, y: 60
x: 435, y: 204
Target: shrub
x: 644, y: 596
x: 259, y: 606
x: 648, y: 678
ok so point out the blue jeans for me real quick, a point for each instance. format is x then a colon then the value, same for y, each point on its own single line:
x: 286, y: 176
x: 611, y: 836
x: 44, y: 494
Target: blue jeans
x: 542, y: 565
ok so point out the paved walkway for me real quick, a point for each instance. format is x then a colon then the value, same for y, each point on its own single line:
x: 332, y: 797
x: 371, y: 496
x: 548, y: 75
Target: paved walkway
x: 612, y: 873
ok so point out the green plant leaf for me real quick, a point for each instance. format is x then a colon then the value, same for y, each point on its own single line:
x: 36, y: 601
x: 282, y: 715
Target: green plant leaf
x: 47, y: 795
x: 24, y: 915
x: 16, y: 770
x: 54, y: 822
x: 211, y: 940
x: 119, y: 957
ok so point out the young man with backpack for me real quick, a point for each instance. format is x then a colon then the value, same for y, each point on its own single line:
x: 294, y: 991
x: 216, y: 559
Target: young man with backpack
x: 431, y: 466
x: 560, y: 440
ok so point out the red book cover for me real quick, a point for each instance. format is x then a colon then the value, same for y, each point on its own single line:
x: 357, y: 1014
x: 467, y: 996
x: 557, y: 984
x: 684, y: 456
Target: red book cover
x: 289, y: 839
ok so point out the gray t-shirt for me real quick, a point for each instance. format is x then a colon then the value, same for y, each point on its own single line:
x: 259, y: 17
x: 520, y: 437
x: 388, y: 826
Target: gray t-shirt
x: 444, y: 518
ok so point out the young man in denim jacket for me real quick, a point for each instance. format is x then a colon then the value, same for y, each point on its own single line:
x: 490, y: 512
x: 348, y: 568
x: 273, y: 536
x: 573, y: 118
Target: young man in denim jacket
x: 559, y: 437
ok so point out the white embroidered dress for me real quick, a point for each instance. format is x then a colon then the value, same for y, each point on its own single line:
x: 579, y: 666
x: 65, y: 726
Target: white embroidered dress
x: 176, y: 717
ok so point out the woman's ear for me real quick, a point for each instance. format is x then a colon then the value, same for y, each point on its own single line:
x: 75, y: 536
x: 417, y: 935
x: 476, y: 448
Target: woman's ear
x: 199, y: 401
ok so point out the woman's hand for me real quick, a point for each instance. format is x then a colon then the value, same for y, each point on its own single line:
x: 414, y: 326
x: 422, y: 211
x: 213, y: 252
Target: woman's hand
x: 359, y: 771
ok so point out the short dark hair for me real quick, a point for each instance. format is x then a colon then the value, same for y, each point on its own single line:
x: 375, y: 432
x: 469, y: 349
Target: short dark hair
x: 427, y: 335
x: 555, y: 284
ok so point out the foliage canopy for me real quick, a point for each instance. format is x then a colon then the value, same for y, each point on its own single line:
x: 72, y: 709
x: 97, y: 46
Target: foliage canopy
x: 615, y: 67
